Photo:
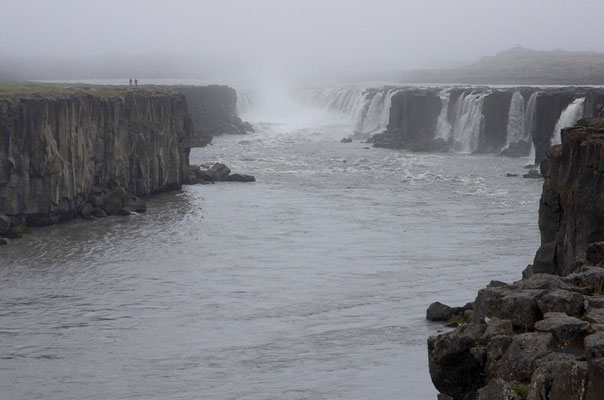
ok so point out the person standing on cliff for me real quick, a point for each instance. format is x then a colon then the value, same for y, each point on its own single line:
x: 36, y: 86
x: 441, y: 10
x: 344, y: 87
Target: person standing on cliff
x: 130, y: 81
x: 135, y: 82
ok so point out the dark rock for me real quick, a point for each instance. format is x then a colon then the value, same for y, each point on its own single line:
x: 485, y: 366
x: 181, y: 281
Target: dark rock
x: 594, y: 345
x: 571, y: 212
x: 510, y: 175
x: 571, y: 303
x: 124, y: 212
x: 99, y: 213
x: 218, y: 172
x: 115, y: 200
x: 595, y: 252
x: 132, y: 141
x: 519, y: 360
x: 498, y: 389
x: 86, y: 211
x: 519, y: 306
x: 533, y: 174
x: 136, y: 204
x: 590, y: 277
x: 239, y: 178
x: 3, y: 241
x: 454, y: 367
x: 346, y: 140
x: 566, y: 329
x: 564, y: 379
x: 213, y: 111
x: 439, y: 312
x: 4, y: 224
x: 595, y: 315
x: 522, y: 148
x: 96, y: 201
x: 442, y: 396
x: 497, y: 327
x: 595, y: 387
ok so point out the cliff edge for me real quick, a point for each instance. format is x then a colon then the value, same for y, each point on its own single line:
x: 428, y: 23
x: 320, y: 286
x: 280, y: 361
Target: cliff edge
x: 543, y: 336
x: 73, y: 152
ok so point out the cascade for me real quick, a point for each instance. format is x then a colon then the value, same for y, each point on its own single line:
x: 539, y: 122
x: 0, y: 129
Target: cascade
x: 516, y: 119
x: 244, y: 103
x: 443, y: 126
x: 368, y: 111
x: 468, y: 121
x: 571, y: 114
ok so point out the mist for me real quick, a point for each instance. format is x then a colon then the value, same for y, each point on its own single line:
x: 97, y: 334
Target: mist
x: 313, y: 39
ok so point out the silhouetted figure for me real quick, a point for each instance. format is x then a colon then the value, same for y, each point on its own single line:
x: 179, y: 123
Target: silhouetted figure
x: 130, y: 81
x: 136, y: 82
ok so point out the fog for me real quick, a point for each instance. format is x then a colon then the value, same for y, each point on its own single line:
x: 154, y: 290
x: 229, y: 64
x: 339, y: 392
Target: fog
x: 227, y: 39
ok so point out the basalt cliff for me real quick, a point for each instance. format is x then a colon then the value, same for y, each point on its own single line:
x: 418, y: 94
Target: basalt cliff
x: 75, y: 153
x: 213, y: 110
x: 541, y: 337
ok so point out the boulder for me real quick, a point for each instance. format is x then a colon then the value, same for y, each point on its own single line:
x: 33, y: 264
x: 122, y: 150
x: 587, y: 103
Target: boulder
x: 455, y: 368
x: 239, y: 178
x: 533, y: 174
x: 519, y: 306
x: 566, y: 329
x: 519, y: 360
x: 595, y: 315
x: 4, y: 224
x: 497, y: 327
x: 346, y: 140
x: 571, y: 303
x: 595, y: 388
x: 219, y: 172
x: 563, y: 379
x: 590, y: 277
x: 96, y: 201
x: 136, y: 204
x: 86, y: 211
x: 3, y: 241
x: 439, y: 312
x: 595, y: 252
x: 124, y: 212
x: 594, y: 346
x: 498, y: 389
x: 99, y: 213
x: 114, y: 201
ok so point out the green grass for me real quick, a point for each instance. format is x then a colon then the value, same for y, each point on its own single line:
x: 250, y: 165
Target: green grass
x: 11, y: 89
x: 520, y: 389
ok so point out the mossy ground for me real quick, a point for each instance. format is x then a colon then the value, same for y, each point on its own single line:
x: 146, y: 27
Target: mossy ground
x: 11, y: 89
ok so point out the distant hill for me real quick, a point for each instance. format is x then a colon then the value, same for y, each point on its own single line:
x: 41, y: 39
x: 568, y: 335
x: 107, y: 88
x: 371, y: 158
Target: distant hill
x: 520, y: 66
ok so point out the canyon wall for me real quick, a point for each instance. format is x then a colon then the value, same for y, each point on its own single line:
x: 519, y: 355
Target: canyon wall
x: 213, y: 109
x: 63, y: 151
x: 541, y: 337
x: 513, y: 121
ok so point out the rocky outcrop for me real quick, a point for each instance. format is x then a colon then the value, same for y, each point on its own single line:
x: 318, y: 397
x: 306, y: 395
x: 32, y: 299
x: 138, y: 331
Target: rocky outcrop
x: 216, y: 173
x: 413, y: 116
x: 86, y: 152
x: 480, y: 119
x: 543, y: 336
x: 571, y: 213
x: 213, y: 109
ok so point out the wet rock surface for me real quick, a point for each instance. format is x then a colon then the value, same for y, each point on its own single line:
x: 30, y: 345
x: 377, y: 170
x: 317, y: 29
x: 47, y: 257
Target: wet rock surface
x: 85, y: 154
x: 216, y: 173
x: 541, y: 337
x: 213, y: 109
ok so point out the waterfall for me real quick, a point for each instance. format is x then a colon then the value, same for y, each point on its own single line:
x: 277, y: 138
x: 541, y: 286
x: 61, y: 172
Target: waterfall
x: 568, y: 117
x: 443, y: 126
x: 468, y: 121
x: 243, y: 103
x: 516, y: 119
x: 368, y: 111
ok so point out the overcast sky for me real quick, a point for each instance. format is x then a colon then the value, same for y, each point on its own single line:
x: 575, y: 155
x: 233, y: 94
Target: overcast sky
x: 301, y: 35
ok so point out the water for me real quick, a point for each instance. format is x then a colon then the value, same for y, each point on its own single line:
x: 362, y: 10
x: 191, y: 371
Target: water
x: 311, y: 283
x: 569, y: 116
x: 516, y: 119
x: 468, y: 121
